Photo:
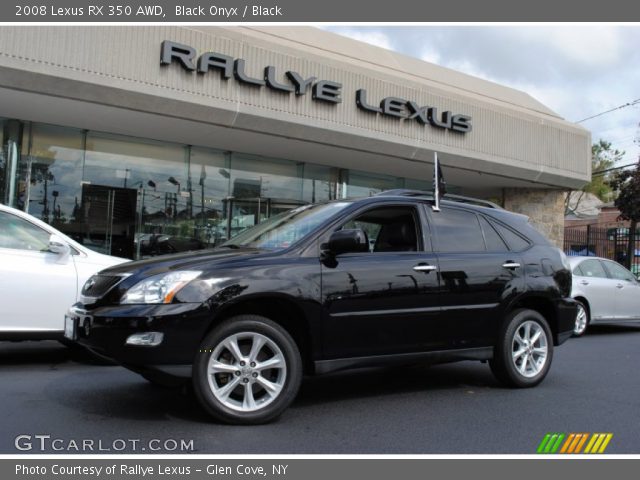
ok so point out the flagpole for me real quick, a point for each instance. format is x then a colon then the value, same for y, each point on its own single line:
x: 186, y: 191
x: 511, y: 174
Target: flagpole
x: 203, y: 175
x: 436, y: 183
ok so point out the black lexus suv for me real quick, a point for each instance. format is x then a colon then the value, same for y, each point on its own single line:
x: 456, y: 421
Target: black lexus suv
x: 349, y: 283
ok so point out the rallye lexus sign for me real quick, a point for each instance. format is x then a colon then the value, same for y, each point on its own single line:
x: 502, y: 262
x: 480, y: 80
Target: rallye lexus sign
x: 321, y: 90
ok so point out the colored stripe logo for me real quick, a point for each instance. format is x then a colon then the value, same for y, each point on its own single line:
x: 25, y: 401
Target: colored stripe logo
x: 574, y: 443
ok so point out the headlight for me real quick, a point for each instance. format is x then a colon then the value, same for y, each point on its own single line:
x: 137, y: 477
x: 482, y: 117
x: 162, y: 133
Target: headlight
x: 159, y: 288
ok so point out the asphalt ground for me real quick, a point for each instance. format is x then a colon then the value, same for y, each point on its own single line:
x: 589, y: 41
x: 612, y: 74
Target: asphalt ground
x: 593, y: 386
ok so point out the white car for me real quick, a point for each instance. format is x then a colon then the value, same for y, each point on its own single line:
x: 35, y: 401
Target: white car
x: 41, y: 274
x: 605, y: 291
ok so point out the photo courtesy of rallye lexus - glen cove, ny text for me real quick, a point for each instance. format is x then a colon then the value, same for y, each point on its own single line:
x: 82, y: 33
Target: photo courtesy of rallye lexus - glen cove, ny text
x: 243, y: 294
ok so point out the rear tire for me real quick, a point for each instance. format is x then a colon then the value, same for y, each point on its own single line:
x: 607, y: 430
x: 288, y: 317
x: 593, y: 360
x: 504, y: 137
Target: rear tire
x: 523, y: 355
x: 582, y: 319
x: 248, y: 370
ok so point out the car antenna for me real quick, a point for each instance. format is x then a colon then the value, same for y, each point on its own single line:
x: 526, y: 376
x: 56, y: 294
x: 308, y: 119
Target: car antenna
x: 439, y: 185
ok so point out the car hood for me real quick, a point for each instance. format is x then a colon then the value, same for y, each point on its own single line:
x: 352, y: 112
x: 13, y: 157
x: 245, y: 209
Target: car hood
x: 103, y: 261
x: 197, y: 260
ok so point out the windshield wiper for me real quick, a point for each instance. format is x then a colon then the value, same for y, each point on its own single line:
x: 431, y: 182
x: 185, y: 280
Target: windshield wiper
x: 229, y: 245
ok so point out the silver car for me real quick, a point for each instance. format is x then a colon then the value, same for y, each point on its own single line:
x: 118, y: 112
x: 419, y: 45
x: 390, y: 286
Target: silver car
x: 605, y: 291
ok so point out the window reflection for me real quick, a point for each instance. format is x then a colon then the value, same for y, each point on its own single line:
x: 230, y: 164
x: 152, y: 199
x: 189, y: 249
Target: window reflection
x: 51, y: 174
x: 209, y: 173
x: 137, y: 198
x: 363, y: 184
x: 4, y: 180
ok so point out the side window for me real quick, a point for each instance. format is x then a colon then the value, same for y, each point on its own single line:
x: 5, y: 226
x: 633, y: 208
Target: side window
x: 491, y: 238
x: 19, y: 234
x: 593, y: 268
x: 389, y: 229
x: 514, y: 241
x: 618, y: 272
x: 578, y: 271
x: 458, y: 231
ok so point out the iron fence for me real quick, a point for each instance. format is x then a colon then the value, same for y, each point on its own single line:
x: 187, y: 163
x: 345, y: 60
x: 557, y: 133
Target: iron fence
x: 611, y: 243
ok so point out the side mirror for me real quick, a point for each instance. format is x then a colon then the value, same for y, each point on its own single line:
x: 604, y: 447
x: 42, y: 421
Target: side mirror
x: 348, y: 241
x: 58, y: 246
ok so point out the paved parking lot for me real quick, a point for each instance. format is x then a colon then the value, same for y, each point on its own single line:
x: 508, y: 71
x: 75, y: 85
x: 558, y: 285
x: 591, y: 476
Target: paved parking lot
x: 593, y: 386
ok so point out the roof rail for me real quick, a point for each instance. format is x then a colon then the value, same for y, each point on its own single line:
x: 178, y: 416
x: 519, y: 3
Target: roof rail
x: 401, y: 192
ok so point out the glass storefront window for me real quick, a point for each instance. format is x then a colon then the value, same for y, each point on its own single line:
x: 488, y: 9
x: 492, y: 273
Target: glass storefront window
x: 3, y: 164
x: 363, y: 184
x: 50, y: 175
x: 255, y: 177
x: 261, y: 187
x: 413, y: 184
x: 140, y: 195
x: 137, y: 198
x: 319, y: 183
x: 210, y: 179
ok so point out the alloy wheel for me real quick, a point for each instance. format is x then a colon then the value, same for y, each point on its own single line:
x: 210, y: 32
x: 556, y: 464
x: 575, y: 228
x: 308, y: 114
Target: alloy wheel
x: 529, y: 349
x: 581, y: 321
x: 246, y: 371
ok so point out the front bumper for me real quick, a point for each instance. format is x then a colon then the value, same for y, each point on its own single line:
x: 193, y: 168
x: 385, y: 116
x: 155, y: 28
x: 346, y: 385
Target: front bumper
x: 105, y: 330
x: 566, y: 309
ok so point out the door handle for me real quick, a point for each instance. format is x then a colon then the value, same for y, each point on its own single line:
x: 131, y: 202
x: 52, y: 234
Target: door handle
x: 584, y: 282
x: 619, y: 285
x: 510, y: 265
x: 425, y: 268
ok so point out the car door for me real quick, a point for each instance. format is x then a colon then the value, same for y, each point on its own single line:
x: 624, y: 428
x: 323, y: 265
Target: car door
x: 36, y: 286
x: 599, y: 289
x: 627, y: 291
x: 478, y: 272
x: 383, y: 301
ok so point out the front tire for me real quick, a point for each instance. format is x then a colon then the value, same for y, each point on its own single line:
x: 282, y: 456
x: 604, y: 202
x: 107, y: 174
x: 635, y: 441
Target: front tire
x: 248, y: 370
x: 523, y: 355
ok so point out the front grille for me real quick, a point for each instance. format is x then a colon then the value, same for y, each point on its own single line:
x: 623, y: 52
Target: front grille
x: 99, y: 285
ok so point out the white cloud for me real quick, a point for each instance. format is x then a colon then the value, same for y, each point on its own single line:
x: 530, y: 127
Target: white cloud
x: 590, y: 45
x: 430, y: 55
x: 470, y: 68
x: 372, y: 37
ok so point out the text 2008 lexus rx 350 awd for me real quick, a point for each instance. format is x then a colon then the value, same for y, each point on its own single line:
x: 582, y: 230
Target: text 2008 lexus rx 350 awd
x: 377, y: 281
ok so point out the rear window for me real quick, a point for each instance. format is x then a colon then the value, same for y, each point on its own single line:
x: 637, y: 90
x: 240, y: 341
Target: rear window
x: 491, y: 238
x: 592, y: 268
x: 515, y: 242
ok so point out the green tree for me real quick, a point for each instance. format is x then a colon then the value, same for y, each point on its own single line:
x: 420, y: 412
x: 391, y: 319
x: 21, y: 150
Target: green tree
x: 627, y: 184
x: 603, y: 157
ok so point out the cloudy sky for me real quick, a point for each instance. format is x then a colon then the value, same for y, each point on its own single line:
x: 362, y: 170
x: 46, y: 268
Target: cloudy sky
x: 577, y: 71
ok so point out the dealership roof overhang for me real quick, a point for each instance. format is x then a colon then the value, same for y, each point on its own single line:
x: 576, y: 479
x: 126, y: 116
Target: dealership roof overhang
x: 111, y: 79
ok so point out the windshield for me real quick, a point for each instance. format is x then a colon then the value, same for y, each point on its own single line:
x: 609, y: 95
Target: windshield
x: 285, y: 229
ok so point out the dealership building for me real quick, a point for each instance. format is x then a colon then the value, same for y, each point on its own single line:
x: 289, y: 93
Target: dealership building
x: 130, y: 137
